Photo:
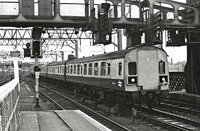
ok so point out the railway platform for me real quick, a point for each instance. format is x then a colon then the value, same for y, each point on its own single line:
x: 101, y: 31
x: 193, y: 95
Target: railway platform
x: 58, y: 120
x: 47, y: 118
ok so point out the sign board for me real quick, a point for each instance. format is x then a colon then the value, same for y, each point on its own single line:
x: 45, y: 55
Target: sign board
x: 37, y: 74
x: 15, y: 53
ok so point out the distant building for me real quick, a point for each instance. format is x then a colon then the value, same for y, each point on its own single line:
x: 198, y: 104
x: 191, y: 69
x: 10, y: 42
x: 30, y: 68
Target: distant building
x: 177, y: 67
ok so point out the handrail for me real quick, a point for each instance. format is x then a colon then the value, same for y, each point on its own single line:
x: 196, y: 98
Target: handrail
x: 7, y: 88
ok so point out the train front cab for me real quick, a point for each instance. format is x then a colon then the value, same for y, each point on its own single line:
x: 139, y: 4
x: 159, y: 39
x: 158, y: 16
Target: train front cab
x: 147, y: 73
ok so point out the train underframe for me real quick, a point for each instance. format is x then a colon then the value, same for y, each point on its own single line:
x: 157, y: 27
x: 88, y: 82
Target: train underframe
x: 111, y: 97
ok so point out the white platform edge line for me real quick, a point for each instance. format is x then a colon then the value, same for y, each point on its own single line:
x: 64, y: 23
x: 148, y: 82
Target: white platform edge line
x: 94, y: 122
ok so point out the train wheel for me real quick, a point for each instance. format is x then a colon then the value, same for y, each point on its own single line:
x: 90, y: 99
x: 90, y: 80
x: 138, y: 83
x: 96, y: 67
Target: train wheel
x: 140, y: 102
x: 150, y: 100
x: 158, y: 100
x: 149, y: 104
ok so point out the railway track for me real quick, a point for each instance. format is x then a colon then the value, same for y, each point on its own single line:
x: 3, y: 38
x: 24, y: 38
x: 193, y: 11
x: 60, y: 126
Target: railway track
x: 170, y: 120
x: 189, y: 111
x: 165, y: 117
x: 181, y: 106
x: 65, y: 103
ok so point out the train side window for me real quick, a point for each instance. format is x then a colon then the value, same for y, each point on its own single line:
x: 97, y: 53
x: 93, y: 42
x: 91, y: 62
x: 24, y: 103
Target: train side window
x: 67, y: 69
x: 103, y: 69
x: 108, y: 69
x: 161, y: 67
x: 81, y: 69
x: 78, y: 69
x: 90, y: 69
x: 85, y: 69
x: 120, y: 69
x: 71, y: 69
x: 132, y: 68
x: 96, y: 69
x: 74, y: 69
x: 62, y: 69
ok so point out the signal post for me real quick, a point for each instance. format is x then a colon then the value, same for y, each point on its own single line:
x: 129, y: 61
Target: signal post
x: 37, y: 73
x: 36, y: 52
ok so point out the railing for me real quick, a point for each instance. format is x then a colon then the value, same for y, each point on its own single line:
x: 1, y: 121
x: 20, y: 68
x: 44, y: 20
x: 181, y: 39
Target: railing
x: 9, y: 108
x: 177, y: 81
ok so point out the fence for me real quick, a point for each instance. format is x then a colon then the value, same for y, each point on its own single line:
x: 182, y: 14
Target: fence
x: 9, y: 108
x: 177, y: 81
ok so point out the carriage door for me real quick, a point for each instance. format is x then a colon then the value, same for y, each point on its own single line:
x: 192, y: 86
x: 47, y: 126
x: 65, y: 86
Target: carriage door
x: 148, y: 69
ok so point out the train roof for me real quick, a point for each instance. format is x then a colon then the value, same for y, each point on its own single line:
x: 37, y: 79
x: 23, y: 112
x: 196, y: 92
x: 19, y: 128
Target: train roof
x: 57, y: 63
x: 111, y: 55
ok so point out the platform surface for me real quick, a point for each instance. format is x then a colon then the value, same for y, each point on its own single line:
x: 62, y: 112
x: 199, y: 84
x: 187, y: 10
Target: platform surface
x: 58, y: 120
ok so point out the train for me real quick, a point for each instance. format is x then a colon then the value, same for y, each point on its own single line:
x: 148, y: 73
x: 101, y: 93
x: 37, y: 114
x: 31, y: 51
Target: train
x: 137, y: 73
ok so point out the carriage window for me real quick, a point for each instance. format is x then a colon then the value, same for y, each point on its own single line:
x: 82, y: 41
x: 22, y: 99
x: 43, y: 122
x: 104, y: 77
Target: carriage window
x: 108, y: 69
x: 90, y: 69
x: 61, y: 69
x: 103, y: 69
x: 53, y: 69
x: 58, y: 69
x: 132, y: 68
x: 74, y: 69
x: 67, y: 69
x: 161, y: 67
x: 71, y: 69
x: 81, y: 69
x: 78, y: 69
x: 85, y: 69
x: 96, y: 69
x: 120, y: 69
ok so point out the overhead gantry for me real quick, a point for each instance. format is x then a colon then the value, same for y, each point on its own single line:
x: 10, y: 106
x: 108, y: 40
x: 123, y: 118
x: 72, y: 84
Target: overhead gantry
x: 136, y: 16
x: 123, y: 13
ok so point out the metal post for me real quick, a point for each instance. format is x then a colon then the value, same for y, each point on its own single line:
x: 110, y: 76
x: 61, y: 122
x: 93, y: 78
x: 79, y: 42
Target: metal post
x: 86, y: 8
x: 76, y: 48
x: 91, y: 4
x: 37, y: 105
x: 119, y: 39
